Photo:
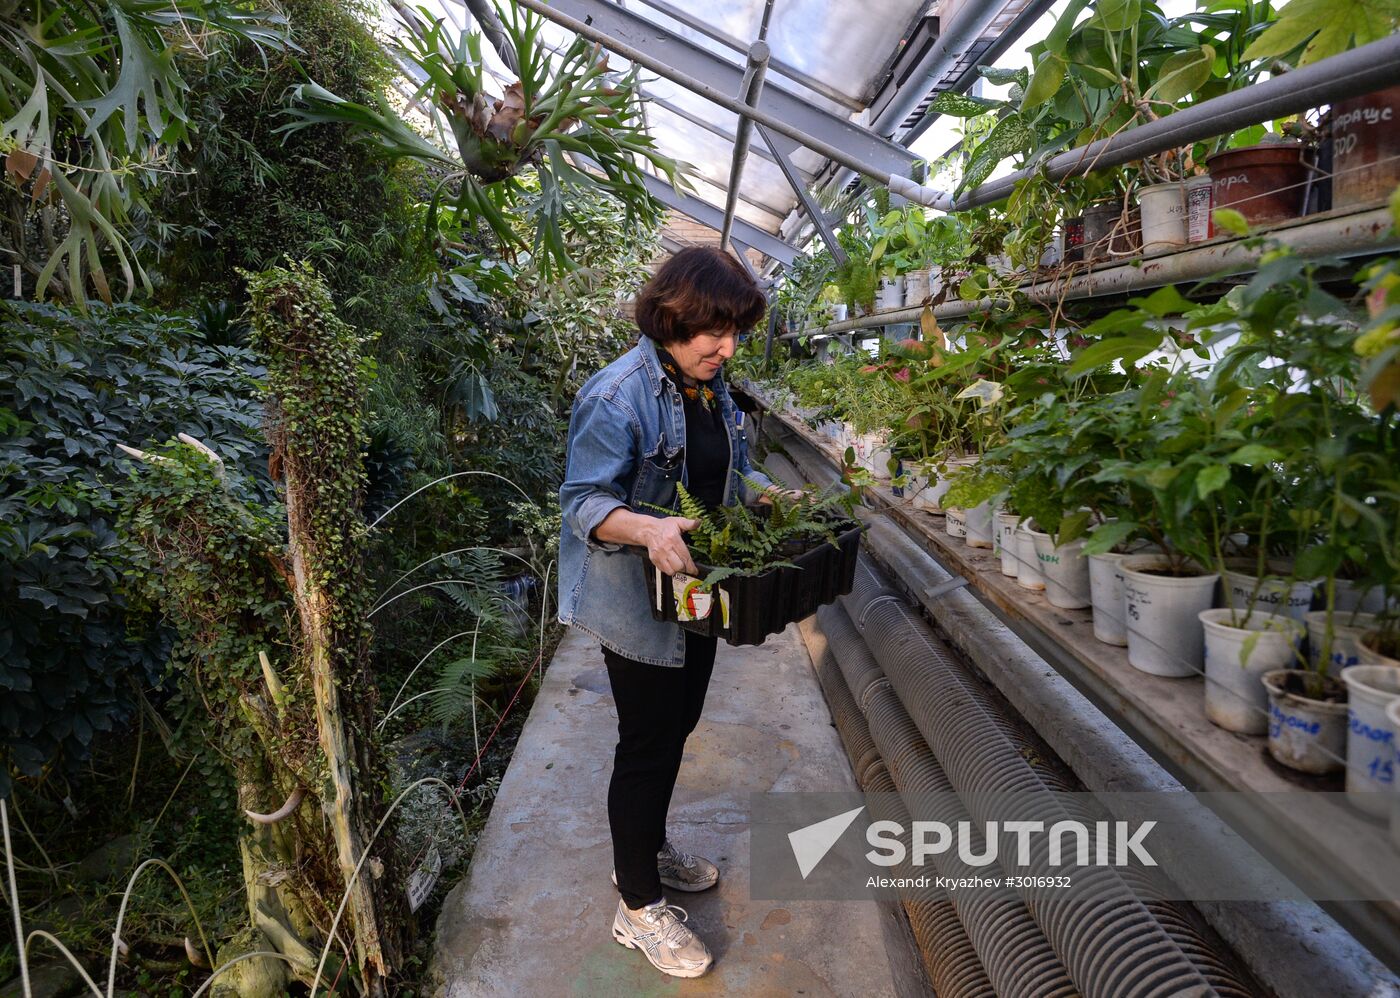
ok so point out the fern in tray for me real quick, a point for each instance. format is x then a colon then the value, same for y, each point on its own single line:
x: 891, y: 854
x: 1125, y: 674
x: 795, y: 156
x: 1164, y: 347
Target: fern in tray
x: 750, y: 540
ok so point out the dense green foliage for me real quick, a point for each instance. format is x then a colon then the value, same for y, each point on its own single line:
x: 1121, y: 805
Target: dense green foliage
x: 245, y: 195
x: 74, y: 387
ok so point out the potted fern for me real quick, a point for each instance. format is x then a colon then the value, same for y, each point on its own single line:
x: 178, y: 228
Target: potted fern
x: 761, y: 567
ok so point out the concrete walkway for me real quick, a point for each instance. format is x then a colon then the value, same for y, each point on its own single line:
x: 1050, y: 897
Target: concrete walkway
x: 534, y: 915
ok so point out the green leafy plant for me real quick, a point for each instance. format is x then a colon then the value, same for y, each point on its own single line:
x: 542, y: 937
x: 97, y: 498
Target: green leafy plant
x: 92, y: 106
x: 567, y: 119
x: 751, y: 540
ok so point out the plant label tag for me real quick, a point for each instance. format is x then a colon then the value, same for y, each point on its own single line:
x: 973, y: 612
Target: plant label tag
x: 693, y: 601
x: 422, y: 880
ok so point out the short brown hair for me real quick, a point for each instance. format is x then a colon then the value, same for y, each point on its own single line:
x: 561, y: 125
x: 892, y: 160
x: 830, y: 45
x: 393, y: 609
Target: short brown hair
x: 701, y: 288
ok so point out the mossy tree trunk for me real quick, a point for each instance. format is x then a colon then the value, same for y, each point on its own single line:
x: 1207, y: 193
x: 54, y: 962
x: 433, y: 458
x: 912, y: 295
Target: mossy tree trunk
x: 254, y: 596
x: 316, y: 432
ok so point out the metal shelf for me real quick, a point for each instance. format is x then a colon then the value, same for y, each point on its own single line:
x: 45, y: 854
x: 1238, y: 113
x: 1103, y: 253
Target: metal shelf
x: 1349, y: 233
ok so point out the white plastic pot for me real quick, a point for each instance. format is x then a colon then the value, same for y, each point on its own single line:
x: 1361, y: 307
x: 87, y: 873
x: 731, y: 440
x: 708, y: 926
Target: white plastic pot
x: 838, y: 312
x: 916, y: 286
x: 1349, y: 597
x: 1304, y: 734
x: 1106, y: 597
x: 931, y: 498
x: 1274, y: 593
x: 1006, y: 541
x: 1366, y: 651
x: 955, y: 523
x: 1392, y: 715
x: 1028, y: 575
x: 1239, y: 649
x: 1347, y: 629
x: 1165, y: 637
x: 891, y: 293
x: 1370, y: 736
x: 979, y: 526
x: 1163, y: 208
x: 873, y: 452
x: 1065, y: 569
x: 1054, y: 250
x: 1199, y: 227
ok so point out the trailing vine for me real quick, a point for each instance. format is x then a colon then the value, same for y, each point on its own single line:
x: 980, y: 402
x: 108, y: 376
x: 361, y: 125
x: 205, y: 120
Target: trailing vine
x: 274, y: 638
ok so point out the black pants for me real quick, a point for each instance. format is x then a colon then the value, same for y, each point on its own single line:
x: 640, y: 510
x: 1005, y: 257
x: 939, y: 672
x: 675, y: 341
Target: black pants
x: 657, y: 709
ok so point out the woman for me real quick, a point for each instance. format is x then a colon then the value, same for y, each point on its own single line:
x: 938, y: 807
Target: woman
x: 658, y: 415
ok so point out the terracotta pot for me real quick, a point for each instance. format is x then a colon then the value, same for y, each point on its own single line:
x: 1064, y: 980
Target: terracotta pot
x: 1365, y: 148
x: 1264, y: 183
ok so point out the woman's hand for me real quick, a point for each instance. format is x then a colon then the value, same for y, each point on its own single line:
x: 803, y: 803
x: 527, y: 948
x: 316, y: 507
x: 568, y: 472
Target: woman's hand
x: 661, y: 536
x: 666, y: 545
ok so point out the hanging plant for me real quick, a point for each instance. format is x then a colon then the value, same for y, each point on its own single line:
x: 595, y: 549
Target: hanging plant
x: 568, y: 119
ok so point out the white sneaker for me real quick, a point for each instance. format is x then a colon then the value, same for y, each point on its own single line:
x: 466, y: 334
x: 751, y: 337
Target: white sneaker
x: 659, y: 931
x: 683, y: 871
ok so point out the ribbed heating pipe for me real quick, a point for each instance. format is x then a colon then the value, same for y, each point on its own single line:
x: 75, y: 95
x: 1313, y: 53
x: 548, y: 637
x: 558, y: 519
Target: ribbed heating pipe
x: 1019, y: 960
x: 1106, y: 937
x: 1183, y: 924
x: 952, y: 963
x: 849, y: 721
x: 949, y: 957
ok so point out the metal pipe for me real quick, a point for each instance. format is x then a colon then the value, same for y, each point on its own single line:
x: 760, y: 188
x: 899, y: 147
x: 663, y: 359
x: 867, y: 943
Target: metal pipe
x: 1005, y: 38
x: 804, y: 197
x: 1111, y: 942
x: 1287, y: 945
x: 750, y: 90
x: 952, y: 963
x: 1361, y: 71
x: 901, y: 185
x: 1350, y: 235
x: 954, y: 39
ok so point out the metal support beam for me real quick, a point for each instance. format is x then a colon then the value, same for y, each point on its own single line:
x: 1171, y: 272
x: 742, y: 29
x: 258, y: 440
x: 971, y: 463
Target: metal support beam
x: 954, y: 39
x: 1005, y: 38
x: 784, y: 69
x: 1361, y: 71
x: 707, y: 214
x: 814, y: 210
x: 682, y: 62
x: 739, y: 250
x: 750, y: 91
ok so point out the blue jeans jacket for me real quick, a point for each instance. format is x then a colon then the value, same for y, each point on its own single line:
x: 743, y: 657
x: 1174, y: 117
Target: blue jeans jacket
x: 624, y: 450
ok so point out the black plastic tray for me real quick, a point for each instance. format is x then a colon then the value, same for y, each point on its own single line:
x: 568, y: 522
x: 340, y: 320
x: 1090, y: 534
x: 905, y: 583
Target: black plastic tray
x: 760, y: 605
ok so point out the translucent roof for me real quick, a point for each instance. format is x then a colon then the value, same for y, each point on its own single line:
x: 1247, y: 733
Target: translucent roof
x: 831, y: 54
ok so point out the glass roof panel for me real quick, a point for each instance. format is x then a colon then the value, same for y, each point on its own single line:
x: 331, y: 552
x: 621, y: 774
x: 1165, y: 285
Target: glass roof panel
x: 840, y: 48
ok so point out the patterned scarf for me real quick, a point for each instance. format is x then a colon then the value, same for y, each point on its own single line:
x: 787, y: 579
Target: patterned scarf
x: 696, y: 392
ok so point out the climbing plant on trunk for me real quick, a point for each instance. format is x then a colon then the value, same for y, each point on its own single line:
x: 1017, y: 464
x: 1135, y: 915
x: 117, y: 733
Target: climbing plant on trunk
x: 273, y: 630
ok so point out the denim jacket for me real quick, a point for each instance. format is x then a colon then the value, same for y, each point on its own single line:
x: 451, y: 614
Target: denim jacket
x: 624, y: 450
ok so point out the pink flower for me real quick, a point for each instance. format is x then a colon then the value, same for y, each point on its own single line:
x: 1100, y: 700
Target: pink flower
x: 902, y: 374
